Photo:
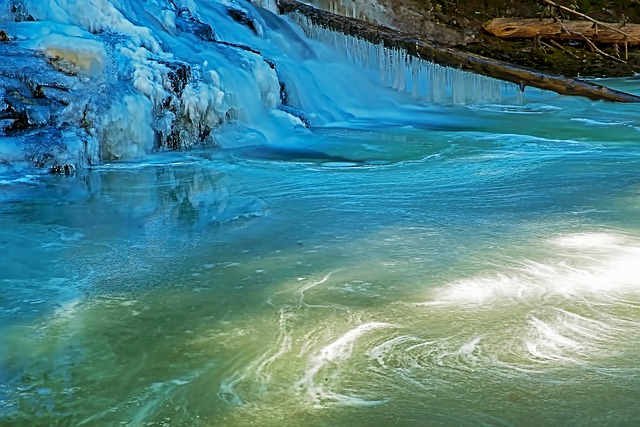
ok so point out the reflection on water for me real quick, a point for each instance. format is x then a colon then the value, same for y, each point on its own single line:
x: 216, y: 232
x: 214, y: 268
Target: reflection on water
x: 330, y: 252
x: 230, y: 344
x: 471, y: 277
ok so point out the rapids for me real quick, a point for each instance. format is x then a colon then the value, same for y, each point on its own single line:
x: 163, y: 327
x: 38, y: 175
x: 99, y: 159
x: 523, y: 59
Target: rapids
x: 267, y: 223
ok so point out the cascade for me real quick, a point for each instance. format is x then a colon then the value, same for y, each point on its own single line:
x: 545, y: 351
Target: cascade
x: 108, y: 80
x: 120, y: 80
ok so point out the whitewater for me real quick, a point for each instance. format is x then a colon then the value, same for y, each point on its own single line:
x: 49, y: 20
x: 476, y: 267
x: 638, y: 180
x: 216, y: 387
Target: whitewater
x: 215, y: 215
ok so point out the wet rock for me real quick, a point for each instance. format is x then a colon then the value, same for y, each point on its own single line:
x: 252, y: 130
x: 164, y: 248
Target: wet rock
x: 179, y: 74
x: 5, y: 125
x: 20, y: 12
x: 271, y: 62
x: 24, y: 109
x: 15, y: 118
x: 42, y: 148
x: 33, y: 115
x: 64, y: 66
x: 58, y: 95
x: 187, y: 23
x: 241, y: 17
x: 66, y: 170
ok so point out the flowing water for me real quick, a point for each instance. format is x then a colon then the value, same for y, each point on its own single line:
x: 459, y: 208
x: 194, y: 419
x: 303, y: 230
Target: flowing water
x: 414, y: 257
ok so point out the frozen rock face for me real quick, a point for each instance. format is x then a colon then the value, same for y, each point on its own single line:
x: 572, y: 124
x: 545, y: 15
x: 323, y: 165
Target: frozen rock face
x: 36, y: 100
x: 87, y: 81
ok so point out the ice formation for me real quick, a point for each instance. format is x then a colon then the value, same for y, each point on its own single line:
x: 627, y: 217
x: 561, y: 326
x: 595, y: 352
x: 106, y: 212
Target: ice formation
x: 423, y: 79
x: 101, y: 80
x: 124, y: 78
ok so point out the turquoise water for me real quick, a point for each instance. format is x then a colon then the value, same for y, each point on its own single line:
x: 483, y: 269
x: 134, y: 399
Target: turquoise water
x: 328, y: 251
x: 478, y: 273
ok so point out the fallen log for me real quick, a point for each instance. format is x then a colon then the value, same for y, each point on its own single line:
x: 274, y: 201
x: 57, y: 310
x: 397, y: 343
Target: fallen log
x: 510, y: 28
x: 454, y: 58
x: 588, y: 18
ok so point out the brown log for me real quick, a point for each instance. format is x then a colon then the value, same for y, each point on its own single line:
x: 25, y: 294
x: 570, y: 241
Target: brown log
x: 588, y: 18
x: 510, y: 28
x: 455, y: 58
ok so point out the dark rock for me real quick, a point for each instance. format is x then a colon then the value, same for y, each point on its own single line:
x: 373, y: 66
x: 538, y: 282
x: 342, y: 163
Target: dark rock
x: 65, y: 169
x: 271, y: 63
x: 18, y: 117
x: 241, y: 17
x: 187, y: 23
x: 19, y: 11
x: 179, y: 74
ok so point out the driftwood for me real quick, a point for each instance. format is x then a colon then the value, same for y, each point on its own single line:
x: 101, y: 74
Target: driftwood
x: 455, y: 58
x: 588, y: 18
x: 509, y: 28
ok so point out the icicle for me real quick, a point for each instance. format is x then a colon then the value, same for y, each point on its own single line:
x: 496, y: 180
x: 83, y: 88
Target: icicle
x: 422, y: 79
x: 366, y: 10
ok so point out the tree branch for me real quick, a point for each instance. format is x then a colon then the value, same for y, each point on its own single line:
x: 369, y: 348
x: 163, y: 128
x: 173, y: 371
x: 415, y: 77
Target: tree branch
x: 588, y: 18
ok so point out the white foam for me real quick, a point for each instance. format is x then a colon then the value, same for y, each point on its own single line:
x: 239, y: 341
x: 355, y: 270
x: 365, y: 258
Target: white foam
x: 591, y: 122
x: 468, y: 349
x: 568, y: 305
x: 335, y: 352
x: 311, y: 285
x: 257, y: 371
x: 586, y: 265
x: 567, y: 337
x: 380, y: 352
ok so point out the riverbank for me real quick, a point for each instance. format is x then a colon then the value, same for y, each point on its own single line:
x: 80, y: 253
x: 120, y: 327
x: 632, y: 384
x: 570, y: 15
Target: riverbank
x: 460, y: 24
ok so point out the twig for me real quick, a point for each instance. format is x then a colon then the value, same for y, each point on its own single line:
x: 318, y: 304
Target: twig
x: 591, y: 44
x: 626, y: 48
x: 566, y: 30
x: 538, y: 44
x: 562, y: 48
x: 543, y: 44
x: 593, y: 47
x: 588, y: 18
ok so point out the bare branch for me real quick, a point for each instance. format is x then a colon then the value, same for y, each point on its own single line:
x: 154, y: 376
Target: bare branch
x: 594, y: 48
x: 588, y: 18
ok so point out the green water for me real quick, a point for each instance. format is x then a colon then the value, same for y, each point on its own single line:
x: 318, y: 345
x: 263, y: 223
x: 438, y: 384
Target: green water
x: 483, y: 274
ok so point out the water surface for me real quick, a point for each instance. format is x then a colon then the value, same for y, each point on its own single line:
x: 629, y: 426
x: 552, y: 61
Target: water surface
x: 401, y: 262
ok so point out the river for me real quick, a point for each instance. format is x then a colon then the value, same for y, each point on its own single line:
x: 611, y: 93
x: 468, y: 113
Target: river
x: 412, y: 257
